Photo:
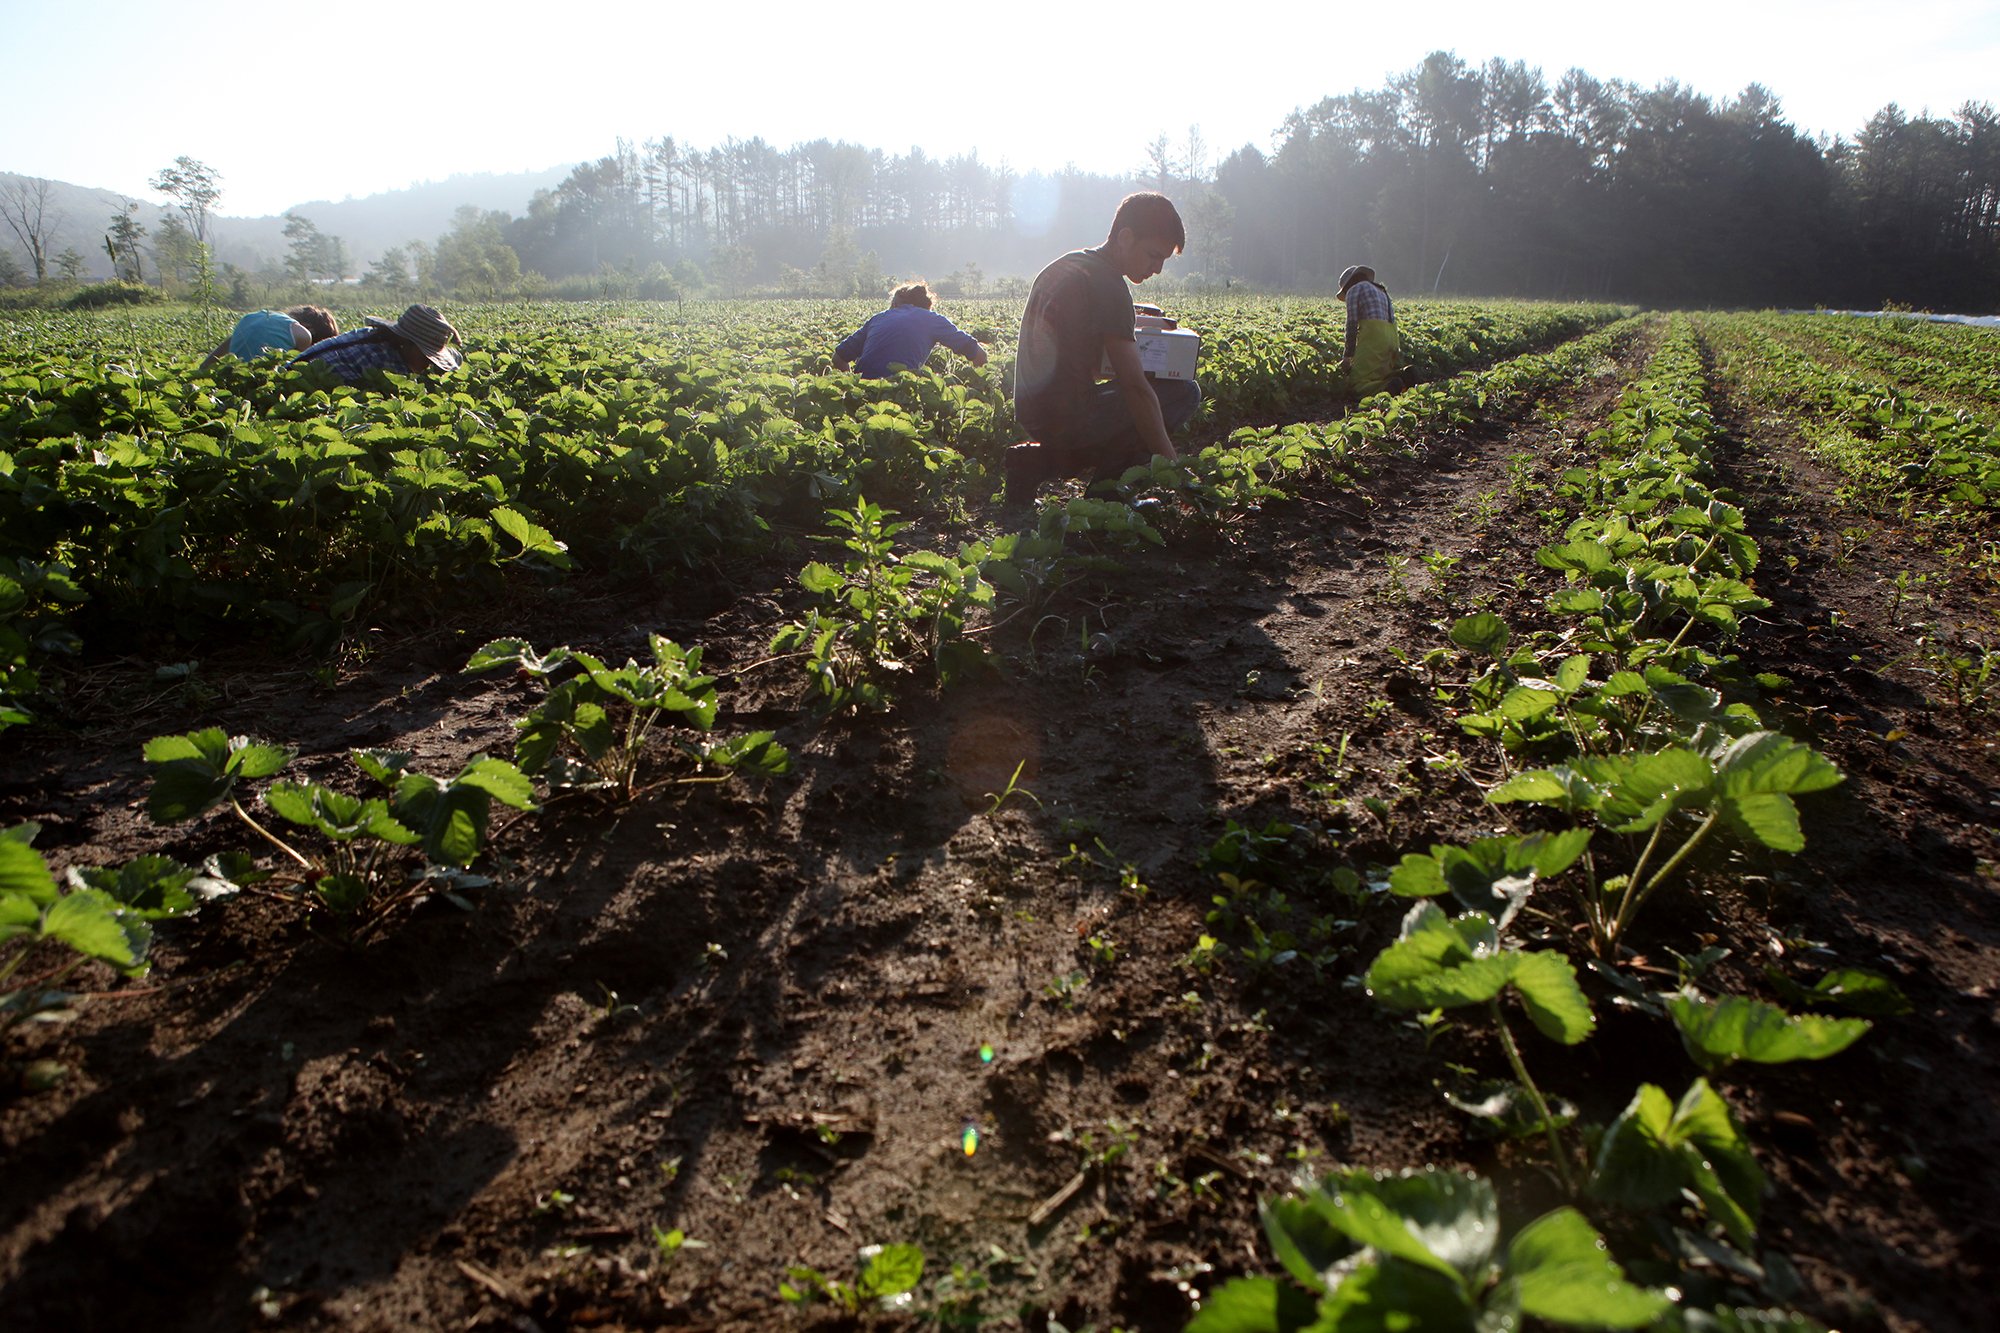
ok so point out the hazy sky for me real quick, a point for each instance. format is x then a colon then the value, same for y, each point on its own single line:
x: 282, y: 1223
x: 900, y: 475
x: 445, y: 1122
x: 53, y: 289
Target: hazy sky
x: 294, y: 101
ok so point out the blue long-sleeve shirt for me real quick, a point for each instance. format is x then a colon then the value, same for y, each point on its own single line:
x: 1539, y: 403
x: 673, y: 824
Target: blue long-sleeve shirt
x: 901, y: 335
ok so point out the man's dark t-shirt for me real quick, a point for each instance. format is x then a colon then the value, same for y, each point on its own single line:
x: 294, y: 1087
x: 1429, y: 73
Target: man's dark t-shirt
x: 1077, y: 302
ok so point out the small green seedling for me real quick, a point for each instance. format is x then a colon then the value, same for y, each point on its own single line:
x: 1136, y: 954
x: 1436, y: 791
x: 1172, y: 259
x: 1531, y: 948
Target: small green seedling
x: 886, y: 1279
x: 1012, y: 789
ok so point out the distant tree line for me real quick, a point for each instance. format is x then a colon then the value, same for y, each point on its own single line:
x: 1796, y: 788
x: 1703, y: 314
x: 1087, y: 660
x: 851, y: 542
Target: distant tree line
x: 1486, y: 180
x: 1492, y: 180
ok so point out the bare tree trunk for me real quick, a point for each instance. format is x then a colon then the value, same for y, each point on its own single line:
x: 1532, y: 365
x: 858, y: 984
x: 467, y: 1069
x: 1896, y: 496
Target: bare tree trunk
x: 24, y: 205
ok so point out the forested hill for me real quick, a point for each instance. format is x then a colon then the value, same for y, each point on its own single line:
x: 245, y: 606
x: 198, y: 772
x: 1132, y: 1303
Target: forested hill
x: 1487, y: 180
x: 79, y: 215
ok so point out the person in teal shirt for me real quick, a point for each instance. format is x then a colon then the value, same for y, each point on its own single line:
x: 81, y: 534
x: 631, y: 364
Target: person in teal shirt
x: 259, y: 331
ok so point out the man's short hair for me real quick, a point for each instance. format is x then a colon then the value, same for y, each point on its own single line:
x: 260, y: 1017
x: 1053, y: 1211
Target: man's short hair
x: 912, y: 293
x: 1151, y: 216
x: 318, y: 321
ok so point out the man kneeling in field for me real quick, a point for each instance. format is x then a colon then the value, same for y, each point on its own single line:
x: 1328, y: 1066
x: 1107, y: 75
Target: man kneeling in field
x: 1079, y: 316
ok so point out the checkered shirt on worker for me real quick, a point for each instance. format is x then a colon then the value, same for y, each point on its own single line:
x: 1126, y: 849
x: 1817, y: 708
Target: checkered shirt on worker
x: 353, y: 354
x: 1366, y: 300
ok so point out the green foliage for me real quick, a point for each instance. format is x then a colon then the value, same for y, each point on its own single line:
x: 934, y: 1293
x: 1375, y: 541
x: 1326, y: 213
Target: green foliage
x: 110, y: 295
x: 1855, y: 989
x: 1420, y: 1249
x: 1440, y: 962
x: 103, y: 916
x: 151, y: 888
x: 886, y: 1277
x: 1490, y: 875
x: 34, y: 601
x: 592, y: 730
x: 628, y: 439
x: 353, y: 866
x: 1909, y: 448
x: 1741, y: 790
x: 1657, y: 1150
x: 1718, y: 1033
x: 881, y: 613
x: 195, y: 772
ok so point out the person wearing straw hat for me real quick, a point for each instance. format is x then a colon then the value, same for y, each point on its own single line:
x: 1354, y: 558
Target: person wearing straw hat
x: 419, y: 341
x: 1374, y: 354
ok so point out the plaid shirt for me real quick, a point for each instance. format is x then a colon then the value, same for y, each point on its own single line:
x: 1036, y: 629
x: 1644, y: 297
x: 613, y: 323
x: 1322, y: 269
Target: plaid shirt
x: 1366, y: 300
x: 353, y: 354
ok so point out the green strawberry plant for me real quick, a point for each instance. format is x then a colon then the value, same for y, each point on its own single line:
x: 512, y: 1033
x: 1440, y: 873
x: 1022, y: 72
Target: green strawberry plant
x: 1659, y: 1153
x: 30, y: 630
x: 887, y: 1279
x: 1440, y: 962
x: 1855, y: 989
x: 1718, y: 1033
x: 1421, y: 1249
x: 104, y: 916
x: 360, y: 867
x: 1677, y: 799
x: 1534, y: 709
x: 883, y: 613
x: 592, y: 730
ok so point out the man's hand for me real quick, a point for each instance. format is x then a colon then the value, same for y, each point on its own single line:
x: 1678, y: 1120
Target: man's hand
x: 1140, y: 400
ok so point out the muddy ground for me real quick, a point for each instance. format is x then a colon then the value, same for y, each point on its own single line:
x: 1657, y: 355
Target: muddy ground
x: 753, y: 1013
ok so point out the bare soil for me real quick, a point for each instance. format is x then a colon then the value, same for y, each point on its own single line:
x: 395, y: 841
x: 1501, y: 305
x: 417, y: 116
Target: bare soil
x: 754, y: 1013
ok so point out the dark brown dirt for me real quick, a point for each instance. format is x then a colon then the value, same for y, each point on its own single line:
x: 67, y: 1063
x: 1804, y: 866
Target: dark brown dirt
x: 754, y: 1013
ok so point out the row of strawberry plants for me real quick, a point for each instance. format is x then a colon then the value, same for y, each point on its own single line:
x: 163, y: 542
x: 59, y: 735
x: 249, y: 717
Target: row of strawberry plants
x: 1896, y: 447
x: 1248, y: 373
x: 623, y: 451
x: 1255, y: 462
x: 875, y: 611
x: 1954, y: 363
x: 1650, y: 760
x: 359, y: 861
x: 277, y: 499
x: 1227, y: 483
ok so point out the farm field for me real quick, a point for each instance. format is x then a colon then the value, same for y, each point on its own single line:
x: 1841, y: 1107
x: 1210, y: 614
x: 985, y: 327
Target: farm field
x: 1554, y: 803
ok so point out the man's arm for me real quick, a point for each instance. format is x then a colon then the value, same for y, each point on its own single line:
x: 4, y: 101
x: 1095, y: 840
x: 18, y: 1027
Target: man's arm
x: 958, y: 340
x: 1140, y: 400
x: 849, y: 348
x: 221, y: 350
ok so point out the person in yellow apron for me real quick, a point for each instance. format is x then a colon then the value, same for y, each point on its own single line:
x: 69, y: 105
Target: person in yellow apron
x: 1374, y: 353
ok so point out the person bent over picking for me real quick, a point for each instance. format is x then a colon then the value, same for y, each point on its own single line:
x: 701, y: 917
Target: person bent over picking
x: 1374, y: 355
x: 261, y: 330
x: 903, y: 335
x: 419, y: 342
x: 1080, y: 316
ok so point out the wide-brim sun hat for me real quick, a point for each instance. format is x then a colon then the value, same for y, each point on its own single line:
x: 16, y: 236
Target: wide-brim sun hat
x: 429, y: 330
x: 1352, y: 274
